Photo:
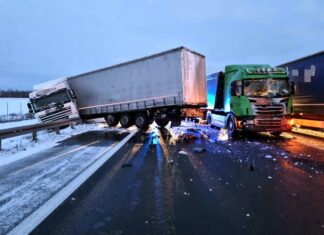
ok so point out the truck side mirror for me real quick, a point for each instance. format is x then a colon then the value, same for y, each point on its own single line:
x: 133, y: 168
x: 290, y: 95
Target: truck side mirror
x: 30, y: 109
x: 233, y: 89
x: 292, y: 88
x: 73, y: 96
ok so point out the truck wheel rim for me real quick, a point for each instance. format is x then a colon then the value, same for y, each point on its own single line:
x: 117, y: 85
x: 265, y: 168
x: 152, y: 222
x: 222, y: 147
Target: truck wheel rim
x: 124, y: 120
x: 140, y: 120
x: 230, y: 125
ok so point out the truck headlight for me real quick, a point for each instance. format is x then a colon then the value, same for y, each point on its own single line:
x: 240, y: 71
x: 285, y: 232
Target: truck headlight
x: 250, y: 122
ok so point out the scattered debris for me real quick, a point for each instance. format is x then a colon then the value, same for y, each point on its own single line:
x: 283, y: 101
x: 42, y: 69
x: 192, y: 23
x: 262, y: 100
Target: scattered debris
x: 223, y: 135
x: 127, y: 165
x: 268, y: 156
x: 269, y: 177
x: 247, y: 215
x: 210, y: 190
x: 183, y: 153
x: 198, y: 150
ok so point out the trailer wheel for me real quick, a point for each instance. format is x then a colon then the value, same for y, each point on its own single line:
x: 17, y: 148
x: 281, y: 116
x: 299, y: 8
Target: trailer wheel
x: 125, y: 120
x: 231, y: 126
x: 162, y: 120
x: 112, y: 119
x: 141, y: 120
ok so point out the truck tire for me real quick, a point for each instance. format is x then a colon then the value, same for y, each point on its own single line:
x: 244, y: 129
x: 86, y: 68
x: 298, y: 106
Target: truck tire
x: 112, y: 119
x: 125, y: 120
x: 209, y: 120
x: 231, y: 126
x: 162, y: 120
x: 141, y: 120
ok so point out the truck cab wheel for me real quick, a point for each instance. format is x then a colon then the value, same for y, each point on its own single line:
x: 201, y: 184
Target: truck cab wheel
x: 112, y: 120
x: 231, y: 127
x: 162, y: 120
x: 209, y: 120
x: 125, y: 120
x: 141, y: 120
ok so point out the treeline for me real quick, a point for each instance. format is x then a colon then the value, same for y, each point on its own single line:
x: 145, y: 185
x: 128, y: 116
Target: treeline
x: 14, y: 93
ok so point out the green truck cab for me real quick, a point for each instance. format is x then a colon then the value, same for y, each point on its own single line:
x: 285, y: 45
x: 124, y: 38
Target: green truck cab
x: 255, y: 97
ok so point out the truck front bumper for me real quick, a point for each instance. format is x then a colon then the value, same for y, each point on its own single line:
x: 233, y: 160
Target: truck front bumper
x: 269, y: 125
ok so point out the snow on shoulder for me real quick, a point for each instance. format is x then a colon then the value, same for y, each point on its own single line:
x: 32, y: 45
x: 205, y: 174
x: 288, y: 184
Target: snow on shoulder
x: 20, y: 147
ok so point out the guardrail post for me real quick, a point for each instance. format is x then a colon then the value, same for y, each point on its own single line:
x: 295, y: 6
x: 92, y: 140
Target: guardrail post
x: 0, y: 145
x: 34, y: 135
x: 57, y: 129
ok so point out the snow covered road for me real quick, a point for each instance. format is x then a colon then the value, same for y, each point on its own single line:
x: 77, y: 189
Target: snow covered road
x: 27, y: 183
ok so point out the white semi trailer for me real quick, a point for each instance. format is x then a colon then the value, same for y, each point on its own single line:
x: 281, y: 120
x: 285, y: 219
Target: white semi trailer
x: 162, y: 87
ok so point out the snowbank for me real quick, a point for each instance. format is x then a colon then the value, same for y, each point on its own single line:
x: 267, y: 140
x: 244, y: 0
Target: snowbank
x: 20, y: 147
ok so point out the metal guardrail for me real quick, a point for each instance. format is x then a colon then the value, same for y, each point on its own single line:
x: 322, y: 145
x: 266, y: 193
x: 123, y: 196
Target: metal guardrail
x: 22, y: 130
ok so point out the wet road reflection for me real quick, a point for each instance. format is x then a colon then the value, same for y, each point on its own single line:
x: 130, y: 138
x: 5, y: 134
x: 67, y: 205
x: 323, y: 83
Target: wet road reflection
x: 249, y: 185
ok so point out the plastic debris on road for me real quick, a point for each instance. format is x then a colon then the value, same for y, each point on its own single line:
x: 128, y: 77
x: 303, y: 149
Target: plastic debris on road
x: 182, y: 153
x: 223, y: 135
x: 198, y: 150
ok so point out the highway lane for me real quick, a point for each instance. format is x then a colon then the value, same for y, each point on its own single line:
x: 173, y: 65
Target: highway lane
x: 254, y: 185
x: 26, y: 184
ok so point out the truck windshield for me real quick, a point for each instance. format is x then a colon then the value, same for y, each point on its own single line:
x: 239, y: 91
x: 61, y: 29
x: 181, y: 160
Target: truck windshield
x: 51, y: 100
x: 266, y: 87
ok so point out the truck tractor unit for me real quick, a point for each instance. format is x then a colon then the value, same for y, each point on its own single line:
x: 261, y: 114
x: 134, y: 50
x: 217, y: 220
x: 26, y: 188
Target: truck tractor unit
x: 256, y: 98
x: 162, y: 87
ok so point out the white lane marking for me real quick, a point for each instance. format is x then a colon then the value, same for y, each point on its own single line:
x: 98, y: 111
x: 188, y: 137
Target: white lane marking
x: 34, y: 219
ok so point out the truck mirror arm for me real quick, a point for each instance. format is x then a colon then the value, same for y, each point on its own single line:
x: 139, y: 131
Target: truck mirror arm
x: 292, y: 88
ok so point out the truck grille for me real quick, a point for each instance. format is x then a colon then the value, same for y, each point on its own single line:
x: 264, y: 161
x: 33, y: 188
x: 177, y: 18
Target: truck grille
x: 269, y: 109
x: 269, y: 116
x: 57, y: 115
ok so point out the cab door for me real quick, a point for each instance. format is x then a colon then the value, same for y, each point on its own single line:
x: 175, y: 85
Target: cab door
x: 236, y: 93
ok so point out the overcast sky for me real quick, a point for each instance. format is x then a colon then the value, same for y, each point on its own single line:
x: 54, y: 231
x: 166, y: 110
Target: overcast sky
x: 43, y: 40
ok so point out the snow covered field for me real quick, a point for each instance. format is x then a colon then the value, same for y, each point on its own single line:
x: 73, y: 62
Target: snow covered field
x: 15, y: 105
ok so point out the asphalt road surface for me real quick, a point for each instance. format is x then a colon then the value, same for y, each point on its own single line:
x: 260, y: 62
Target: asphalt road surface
x: 155, y: 185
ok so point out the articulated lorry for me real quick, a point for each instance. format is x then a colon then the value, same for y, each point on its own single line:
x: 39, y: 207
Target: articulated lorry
x: 255, y: 98
x: 162, y: 87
